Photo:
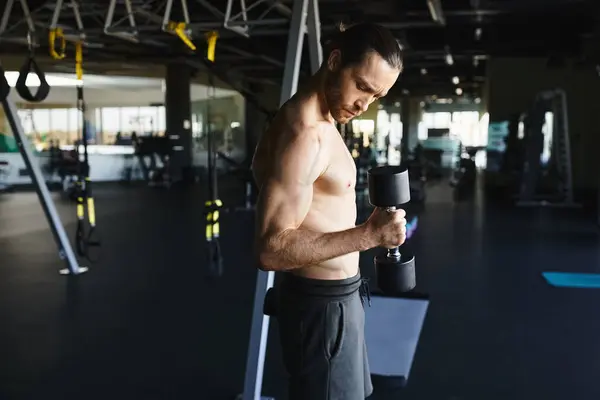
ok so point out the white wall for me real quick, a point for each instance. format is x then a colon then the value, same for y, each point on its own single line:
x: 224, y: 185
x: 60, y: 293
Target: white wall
x: 109, y: 91
x: 114, y: 97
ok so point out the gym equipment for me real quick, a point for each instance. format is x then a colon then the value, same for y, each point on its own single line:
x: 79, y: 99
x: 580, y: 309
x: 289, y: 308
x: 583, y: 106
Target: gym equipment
x: 556, y: 169
x: 4, y: 171
x: 464, y: 173
x: 305, y: 19
x: 572, y: 280
x: 148, y: 149
x: 411, y: 227
x: 84, y: 241
x: 29, y: 66
x: 213, y: 204
x: 389, y: 188
x: 392, y: 349
x: 244, y: 173
x: 62, y: 240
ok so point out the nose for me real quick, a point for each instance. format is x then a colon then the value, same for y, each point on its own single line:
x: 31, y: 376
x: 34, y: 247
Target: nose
x: 362, y: 105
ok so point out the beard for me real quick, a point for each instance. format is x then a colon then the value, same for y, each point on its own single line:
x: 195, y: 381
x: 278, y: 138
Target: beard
x: 333, y: 97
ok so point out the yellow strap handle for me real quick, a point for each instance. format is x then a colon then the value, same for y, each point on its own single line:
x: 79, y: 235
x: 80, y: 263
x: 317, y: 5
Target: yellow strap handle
x: 57, y: 33
x: 91, y: 211
x: 79, y: 60
x: 179, y: 29
x: 211, y: 38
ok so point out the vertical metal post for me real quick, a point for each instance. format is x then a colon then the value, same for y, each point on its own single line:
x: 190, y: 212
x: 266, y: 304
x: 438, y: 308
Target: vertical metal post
x: 313, y: 27
x: 294, y: 50
x: 259, y: 328
x: 566, y: 140
x: 58, y: 230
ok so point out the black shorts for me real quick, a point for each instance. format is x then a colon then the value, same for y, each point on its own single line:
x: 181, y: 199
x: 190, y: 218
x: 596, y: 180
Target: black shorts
x: 321, y: 327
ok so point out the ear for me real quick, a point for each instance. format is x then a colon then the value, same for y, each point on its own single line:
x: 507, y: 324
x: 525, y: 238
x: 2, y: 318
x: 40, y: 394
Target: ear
x: 334, y: 61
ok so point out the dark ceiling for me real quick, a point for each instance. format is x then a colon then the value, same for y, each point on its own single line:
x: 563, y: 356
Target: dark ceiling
x: 471, y: 32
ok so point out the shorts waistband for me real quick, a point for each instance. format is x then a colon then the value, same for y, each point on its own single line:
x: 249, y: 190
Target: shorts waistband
x: 322, y: 287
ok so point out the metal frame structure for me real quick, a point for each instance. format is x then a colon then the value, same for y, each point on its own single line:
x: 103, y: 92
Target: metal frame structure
x: 110, y: 25
x: 60, y: 236
x: 303, y: 11
x: 6, y: 16
x: 441, y: 56
x: 554, y: 101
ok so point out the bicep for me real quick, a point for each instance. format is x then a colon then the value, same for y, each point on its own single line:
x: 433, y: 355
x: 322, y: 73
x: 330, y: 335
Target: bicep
x: 287, y: 192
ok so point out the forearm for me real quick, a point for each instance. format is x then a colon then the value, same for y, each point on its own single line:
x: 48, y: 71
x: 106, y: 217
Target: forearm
x: 296, y: 248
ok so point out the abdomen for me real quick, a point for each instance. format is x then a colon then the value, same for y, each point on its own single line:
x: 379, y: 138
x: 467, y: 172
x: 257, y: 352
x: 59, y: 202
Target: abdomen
x: 331, y: 214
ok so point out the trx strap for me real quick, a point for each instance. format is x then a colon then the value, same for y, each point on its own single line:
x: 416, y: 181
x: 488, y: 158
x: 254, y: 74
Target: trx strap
x: 28, y: 67
x: 84, y: 241
x: 178, y: 28
x: 214, y: 204
x: 53, y: 35
x: 4, y: 86
x: 211, y: 38
x: 215, y: 259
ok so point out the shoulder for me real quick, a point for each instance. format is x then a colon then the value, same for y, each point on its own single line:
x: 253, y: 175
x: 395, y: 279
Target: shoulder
x: 300, y: 120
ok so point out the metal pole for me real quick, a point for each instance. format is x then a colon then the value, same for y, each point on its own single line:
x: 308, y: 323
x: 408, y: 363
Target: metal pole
x: 56, y: 14
x: 294, y: 50
x: 259, y: 329
x: 313, y: 26
x: 564, y: 130
x: 167, y: 15
x: 27, y: 14
x: 58, y: 230
x: 6, y: 15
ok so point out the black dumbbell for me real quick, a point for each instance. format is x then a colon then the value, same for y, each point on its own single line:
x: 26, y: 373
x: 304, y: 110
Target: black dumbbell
x: 389, y: 188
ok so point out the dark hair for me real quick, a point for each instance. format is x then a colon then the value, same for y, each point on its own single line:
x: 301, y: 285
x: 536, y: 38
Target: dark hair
x: 356, y: 41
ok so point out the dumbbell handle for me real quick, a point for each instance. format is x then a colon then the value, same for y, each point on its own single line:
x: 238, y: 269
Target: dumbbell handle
x: 393, y: 253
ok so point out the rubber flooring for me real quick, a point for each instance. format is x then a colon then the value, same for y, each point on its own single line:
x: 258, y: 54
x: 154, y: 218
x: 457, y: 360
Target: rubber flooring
x: 145, y: 323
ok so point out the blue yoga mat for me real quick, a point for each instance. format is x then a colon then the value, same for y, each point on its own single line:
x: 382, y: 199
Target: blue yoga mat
x: 572, y: 280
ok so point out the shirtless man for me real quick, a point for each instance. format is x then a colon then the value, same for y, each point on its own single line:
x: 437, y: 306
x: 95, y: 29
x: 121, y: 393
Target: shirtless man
x: 306, y: 216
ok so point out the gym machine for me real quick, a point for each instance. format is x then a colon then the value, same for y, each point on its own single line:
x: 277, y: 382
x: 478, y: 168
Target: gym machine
x: 558, y: 168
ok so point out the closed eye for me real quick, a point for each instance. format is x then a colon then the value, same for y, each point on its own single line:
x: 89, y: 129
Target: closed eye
x: 364, y: 88
x: 367, y: 89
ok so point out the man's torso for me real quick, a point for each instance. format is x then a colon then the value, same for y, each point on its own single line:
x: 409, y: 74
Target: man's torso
x: 333, y: 205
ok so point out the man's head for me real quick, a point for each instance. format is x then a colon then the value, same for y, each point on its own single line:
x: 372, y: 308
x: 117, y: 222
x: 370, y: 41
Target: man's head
x: 363, y: 62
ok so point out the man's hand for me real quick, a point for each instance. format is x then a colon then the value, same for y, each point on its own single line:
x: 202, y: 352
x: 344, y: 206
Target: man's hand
x: 388, y: 228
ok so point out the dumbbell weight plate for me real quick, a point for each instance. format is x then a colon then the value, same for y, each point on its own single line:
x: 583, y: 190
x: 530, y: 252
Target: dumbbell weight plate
x: 396, y: 276
x: 389, y: 186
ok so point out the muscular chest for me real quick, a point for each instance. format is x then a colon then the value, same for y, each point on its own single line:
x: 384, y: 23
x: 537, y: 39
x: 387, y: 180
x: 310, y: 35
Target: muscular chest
x: 340, y: 176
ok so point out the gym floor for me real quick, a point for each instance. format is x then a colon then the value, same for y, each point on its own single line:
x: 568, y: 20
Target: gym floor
x: 144, y: 323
